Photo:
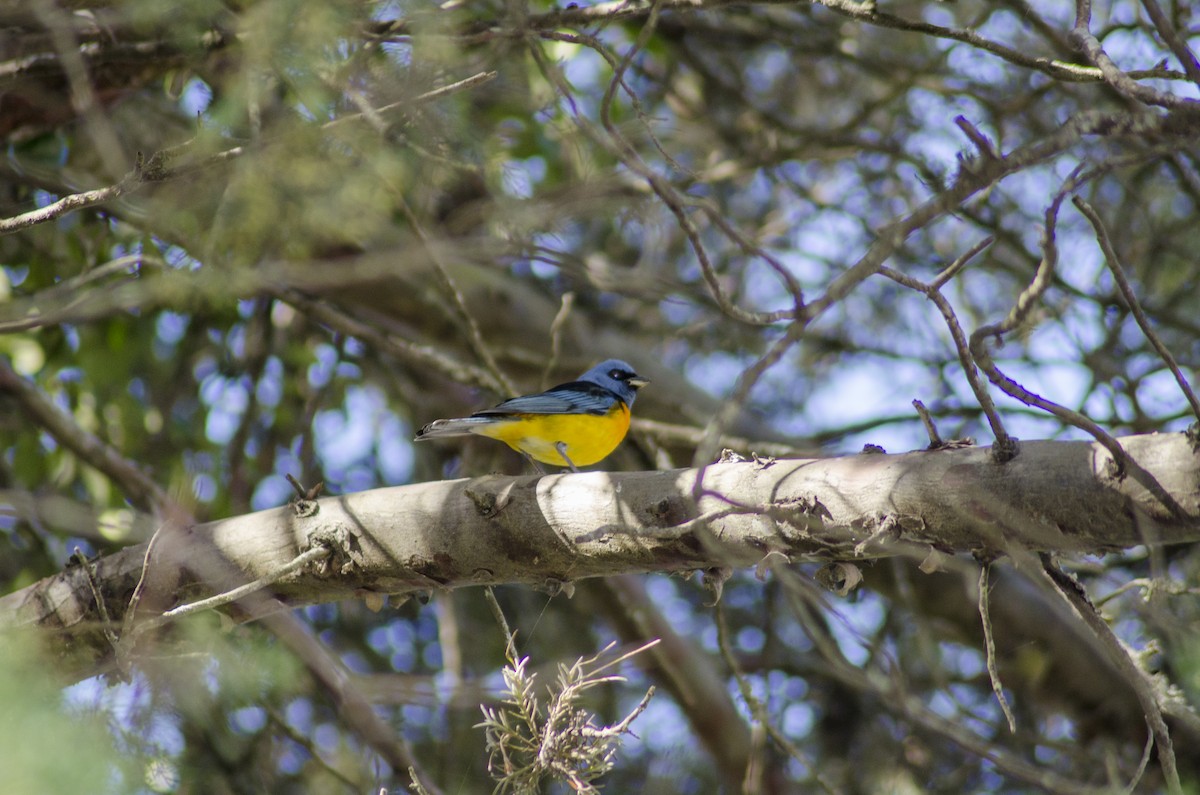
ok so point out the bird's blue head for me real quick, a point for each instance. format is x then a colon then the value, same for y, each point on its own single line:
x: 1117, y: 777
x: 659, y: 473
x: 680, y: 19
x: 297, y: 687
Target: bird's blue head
x: 618, y: 377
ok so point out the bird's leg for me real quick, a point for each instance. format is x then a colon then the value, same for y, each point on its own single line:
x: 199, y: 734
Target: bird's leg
x: 561, y: 447
x: 536, y: 466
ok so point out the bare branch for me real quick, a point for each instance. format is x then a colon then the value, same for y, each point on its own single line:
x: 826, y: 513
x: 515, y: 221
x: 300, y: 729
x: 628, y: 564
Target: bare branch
x: 1119, y: 80
x: 616, y: 144
x: 1146, y: 691
x: 865, y: 12
x: 1187, y: 59
x: 989, y: 645
x: 67, y: 204
x: 932, y: 291
x: 1118, y: 272
x: 1054, y: 497
x: 405, y: 350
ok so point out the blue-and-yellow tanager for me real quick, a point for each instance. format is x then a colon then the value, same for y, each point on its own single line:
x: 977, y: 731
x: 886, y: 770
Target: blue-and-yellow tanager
x: 571, y: 425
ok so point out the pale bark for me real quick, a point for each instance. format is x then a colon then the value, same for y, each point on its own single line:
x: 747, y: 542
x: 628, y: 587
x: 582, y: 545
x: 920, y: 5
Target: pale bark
x: 545, y: 531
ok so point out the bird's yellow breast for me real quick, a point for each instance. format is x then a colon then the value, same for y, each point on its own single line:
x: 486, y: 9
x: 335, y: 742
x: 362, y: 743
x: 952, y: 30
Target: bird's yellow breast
x: 588, y: 437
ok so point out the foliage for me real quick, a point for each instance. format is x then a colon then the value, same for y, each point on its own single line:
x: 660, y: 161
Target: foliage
x: 240, y: 241
x: 37, y: 719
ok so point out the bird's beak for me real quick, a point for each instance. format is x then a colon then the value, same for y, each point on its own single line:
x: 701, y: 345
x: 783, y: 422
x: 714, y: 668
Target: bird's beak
x: 637, y: 382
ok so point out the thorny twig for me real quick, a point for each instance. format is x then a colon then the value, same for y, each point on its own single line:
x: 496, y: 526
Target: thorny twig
x: 530, y: 743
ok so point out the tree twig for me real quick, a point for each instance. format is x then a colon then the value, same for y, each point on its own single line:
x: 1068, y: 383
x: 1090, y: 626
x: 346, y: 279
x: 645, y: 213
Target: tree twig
x: 1083, y: 37
x: 1187, y: 59
x: 1138, y: 679
x: 935, y: 440
x: 315, y: 553
x: 556, y: 331
x: 1118, y: 272
x: 989, y: 645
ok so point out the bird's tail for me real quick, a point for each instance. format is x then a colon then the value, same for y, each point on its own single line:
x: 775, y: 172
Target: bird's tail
x: 456, y: 427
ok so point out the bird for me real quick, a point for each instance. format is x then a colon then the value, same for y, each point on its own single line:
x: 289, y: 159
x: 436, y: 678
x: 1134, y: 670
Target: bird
x: 573, y: 424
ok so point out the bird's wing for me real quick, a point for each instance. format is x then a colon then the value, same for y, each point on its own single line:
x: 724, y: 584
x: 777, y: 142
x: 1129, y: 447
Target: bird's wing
x: 577, y: 397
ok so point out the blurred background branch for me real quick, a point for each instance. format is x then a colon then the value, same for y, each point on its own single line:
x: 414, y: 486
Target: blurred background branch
x: 240, y: 241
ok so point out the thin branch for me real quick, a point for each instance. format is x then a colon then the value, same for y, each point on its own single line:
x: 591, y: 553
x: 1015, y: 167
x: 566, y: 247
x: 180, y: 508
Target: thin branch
x: 1143, y: 763
x: 1145, y: 689
x: 1118, y: 272
x: 707, y: 449
x: 932, y: 291
x: 618, y: 79
x: 67, y: 204
x: 700, y: 690
x: 425, y: 356
x: 758, y: 710
x: 139, y: 590
x: 898, y: 699
x: 951, y: 270
x: 281, y: 723
x: 317, y: 552
x: 352, y: 705
x: 587, y: 16
x: 101, y: 606
x: 437, y: 93
x: 1187, y: 59
x: 619, y: 147
x: 65, y: 301
x: 501, y: 382
x: 981, y: 354
x: 1026, y: 301
x: 981, y: 141
x: 556, y: 329
x: 751, y: 248
x: 973, y: 177
x: 83, y: 97
x: 140, y: 627
x: 935, y: 439
x: 1031, y: 296
x: 989, y: 644
x: 1083, y: 38
x: 510, y: 638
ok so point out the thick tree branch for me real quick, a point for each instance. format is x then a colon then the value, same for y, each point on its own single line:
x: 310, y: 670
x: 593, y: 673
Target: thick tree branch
x: 545, y: 530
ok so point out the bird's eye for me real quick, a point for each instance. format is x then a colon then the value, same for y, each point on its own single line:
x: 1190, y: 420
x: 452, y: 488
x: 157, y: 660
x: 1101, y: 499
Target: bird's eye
x: 620, y: 375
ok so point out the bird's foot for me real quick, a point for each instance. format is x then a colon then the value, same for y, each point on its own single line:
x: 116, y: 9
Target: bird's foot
x: 561, y: 447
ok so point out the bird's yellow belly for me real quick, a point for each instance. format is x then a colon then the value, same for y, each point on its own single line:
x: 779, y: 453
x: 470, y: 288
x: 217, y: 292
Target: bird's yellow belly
x: 588, y: 437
